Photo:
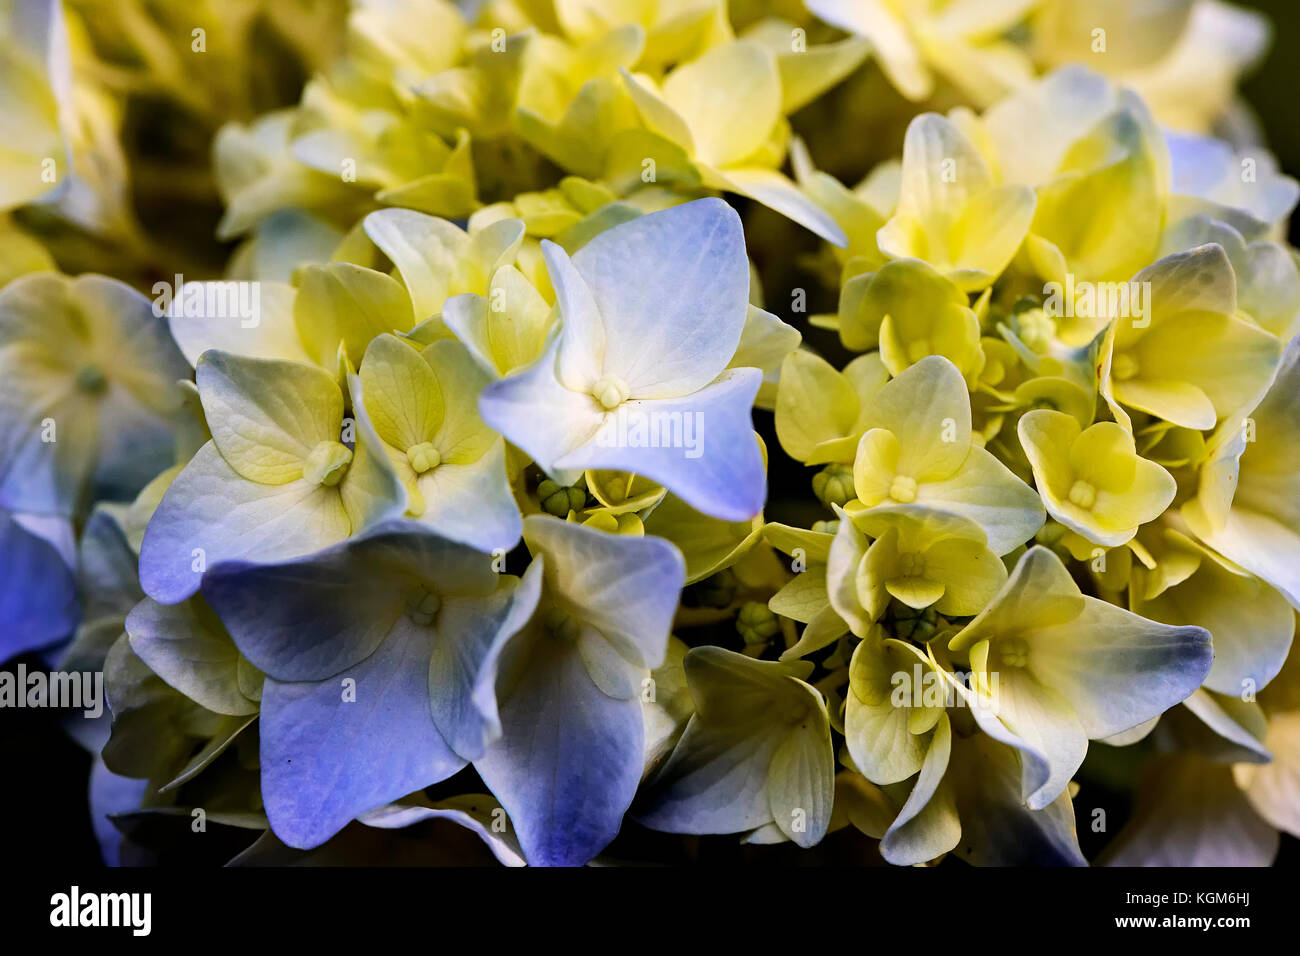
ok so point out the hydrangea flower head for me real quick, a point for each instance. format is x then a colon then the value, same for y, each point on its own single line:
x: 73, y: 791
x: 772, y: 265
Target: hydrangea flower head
x: 950, y: 211
x: 918, y: 449
x: 1092, y: 480
x: 651, y: 313
x: 422, y: 406
x: 1070, y: 668
x: 75, y: 411
x: 276, y: 481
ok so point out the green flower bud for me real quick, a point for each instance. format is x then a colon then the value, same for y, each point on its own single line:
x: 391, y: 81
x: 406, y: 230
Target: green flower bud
x: 1050, y: 534
x: 909, y: 624
x: 833, y: 485
x: 557, y: 499
x: 756, y: 622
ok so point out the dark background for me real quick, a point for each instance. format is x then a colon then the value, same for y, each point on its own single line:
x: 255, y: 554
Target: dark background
x: 1274, y: 88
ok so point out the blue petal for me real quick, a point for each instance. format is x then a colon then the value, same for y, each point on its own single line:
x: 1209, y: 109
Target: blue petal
x: 463, y: 672
x: 111, y: 793
x: 997, y: 829
x: 325, y: 759
x: 672, y: 292
x: 311, y: 617
x: 538, y: 414
x: 569, y: 758
x: 625, y: 587
x: 701, y: 446
x: 209, y: 511
x: 38, y: 595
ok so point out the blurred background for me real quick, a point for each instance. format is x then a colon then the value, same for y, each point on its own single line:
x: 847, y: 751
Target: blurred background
x: 1273, y: 91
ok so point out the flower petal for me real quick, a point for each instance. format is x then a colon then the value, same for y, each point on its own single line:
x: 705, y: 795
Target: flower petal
x: 778, y: 193
x: 569, y: 757
x: 730, y: 99
x: 403, y: 398
x: 927, y: 408
x: 672, y: 289
x: 1189, y: 812
x: 985, y: 490
x: 878, y: 709
x: 700, y: 446
x: 801, y: 777
x: 626, y: 587
x: 267, y: 415
x: 187, y: 646
x: 268, y: 333
x: 473, y: 502
x: 308, y: 618
x: 897, y: 54
x: 334, y: 749
x: 538, y: 414
x: 210, y: 514
x: 463, y: 670
x: 38, y: 598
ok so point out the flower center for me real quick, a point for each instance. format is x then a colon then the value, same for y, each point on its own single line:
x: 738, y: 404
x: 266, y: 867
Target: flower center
x: 423, y: 457
x: 422, y: 607
x: 903, y: 489
x: 1013, y: 651
x: 1123, y: 367
x: 1036, y: 329
x: 560, y: 624
x: 1083, y: 495
x: 911, y: 565
x: 90, y: 378
x: 909, y: 624
x: 611, y: 392
x: 327, y: 463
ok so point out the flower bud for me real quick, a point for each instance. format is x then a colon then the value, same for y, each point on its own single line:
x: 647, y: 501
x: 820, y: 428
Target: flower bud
x: 833, y: 485
x: 557, y: 499
x: 756, y: 623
